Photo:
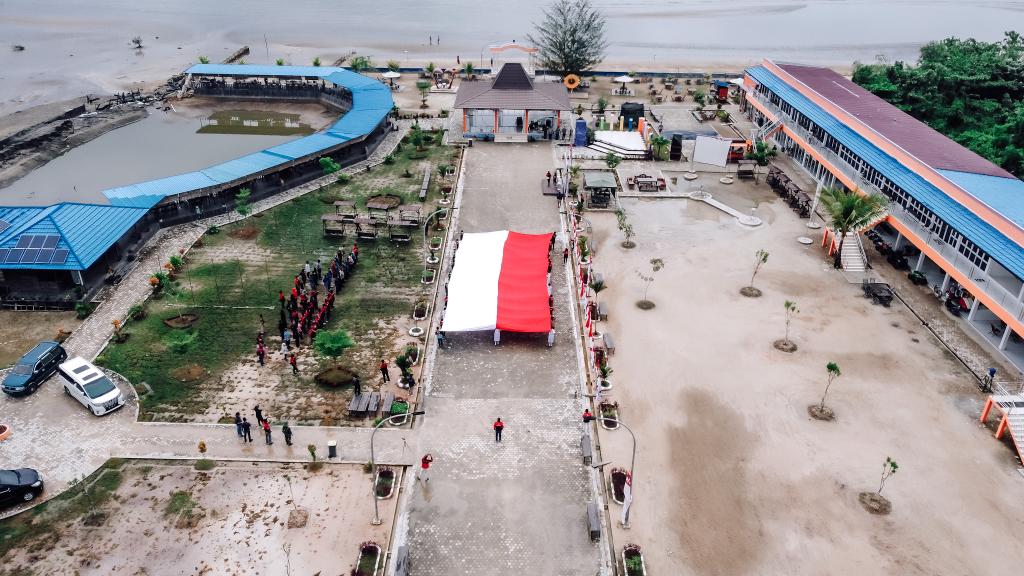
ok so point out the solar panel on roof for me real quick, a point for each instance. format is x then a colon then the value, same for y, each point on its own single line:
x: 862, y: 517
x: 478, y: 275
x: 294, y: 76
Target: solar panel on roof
x: 59, y: 256
x: 37, y: 241
x: 51, y: 241
x: 24, y: 241
x: 4, y: 225
x: 14, y: 256
x: 44, y: 256
x: 3, y: 255
x: 30, y: 256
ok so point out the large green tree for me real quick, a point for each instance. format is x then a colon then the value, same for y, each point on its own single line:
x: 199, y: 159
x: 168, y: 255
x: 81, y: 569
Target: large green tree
x: 571, y: 38
x: 851, y: 212
x: 968, y: 90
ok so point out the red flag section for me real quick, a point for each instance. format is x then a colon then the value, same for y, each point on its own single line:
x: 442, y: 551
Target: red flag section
x: 522, y: 284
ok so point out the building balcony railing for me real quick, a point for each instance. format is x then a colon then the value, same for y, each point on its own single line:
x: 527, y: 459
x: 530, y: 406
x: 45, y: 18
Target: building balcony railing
x: 981, y: 281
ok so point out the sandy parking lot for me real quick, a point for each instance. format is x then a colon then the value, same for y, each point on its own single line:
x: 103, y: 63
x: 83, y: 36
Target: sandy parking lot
x: 732, y: 476
x: 173, y: 519
x: 23, y: 330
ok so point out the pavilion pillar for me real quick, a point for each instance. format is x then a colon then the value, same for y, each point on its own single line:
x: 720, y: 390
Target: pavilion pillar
x: 945, y: 281
x: 464, y: 117
x: 1005, y: 338
x: 920, y: 262
x: 558, y: 119
x: 495, y: 121
x: 526, y: 122
x: 986, y: 409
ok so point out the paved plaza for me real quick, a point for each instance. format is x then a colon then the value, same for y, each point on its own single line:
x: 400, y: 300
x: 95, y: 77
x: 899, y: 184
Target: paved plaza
x: 518, y: 506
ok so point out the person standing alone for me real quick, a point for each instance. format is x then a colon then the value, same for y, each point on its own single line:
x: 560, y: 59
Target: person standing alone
x: 498, y: 427
x: 294, y: 362
x: 259, y: 415
x: 238, y: 424
x: 266, y: 432
x: 425, y: 468
x: 287, y: 431
x: 384, y: 370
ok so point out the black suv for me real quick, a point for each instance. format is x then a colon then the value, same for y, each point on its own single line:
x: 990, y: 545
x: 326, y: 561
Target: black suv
x: 22, y: 485
x: 34, y: 368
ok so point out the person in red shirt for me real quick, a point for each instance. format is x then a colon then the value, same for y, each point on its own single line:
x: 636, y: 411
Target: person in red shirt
x: 425, y: 467
x: 498, y: 427
x: 295, y: 367
x: 384, y: 370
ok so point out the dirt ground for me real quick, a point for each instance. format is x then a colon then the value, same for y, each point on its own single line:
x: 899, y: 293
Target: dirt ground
x: 231, y: 520
x: 755, y: 486
x: 23, y: 330
x: 315, y: 115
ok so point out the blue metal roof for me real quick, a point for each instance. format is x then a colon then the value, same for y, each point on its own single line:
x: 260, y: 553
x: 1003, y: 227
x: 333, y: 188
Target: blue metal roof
x: 1004, y: 195
x: 992, y: 241
x: 75, y: 224
x: 371, y: 103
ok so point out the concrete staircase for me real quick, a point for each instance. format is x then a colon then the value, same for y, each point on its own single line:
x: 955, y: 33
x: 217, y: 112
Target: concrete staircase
x: 603, y: 148
x: 1012, y: 406
x: 853, y: 257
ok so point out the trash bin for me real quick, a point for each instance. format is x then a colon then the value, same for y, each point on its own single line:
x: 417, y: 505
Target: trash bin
x: 332, y: 449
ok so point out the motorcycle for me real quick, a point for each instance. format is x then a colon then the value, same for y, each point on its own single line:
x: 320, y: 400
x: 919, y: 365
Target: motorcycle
x: 953, y: 307
x: 917, y: 278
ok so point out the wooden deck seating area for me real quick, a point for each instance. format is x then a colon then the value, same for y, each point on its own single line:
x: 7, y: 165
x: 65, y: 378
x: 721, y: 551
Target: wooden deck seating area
x: 346, y: 209
x: 364, y: 404
x: 379, y: 220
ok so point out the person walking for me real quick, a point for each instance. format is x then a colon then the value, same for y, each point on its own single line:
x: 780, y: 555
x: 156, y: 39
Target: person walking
x: 497, y: 336
x: 266, y: 432
x: 287, y: 337
x: 295, y: 366
x: 384, y: 370
x: 246, y: 430
x: 287, y: 431
x: 498, y: 427
x: 261, y: 353
x: 425, y: 468
x: 551, y: 338
x: 357, y: 385
x: 565, y: 256
x: 259, y: 414
x: 440, y: 337
x: 238, y: 424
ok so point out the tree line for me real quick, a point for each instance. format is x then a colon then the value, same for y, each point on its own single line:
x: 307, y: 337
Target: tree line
x: 971, y: 91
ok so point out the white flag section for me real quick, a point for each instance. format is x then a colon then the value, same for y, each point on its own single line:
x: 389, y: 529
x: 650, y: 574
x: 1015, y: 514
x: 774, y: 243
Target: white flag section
x: 473, y: 286
x: 627, y: 499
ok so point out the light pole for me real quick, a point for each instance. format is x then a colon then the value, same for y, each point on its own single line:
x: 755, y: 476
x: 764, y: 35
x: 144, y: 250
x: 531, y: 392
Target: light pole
x: 426, y: 244
x: 373, y: 462
x: 632, y: 462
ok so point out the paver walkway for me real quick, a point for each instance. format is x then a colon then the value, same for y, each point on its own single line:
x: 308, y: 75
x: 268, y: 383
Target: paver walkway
x: 518, y: 507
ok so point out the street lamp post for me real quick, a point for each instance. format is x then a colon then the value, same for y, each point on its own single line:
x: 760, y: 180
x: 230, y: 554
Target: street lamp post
x: 373, y: 462
x: 632, y: 462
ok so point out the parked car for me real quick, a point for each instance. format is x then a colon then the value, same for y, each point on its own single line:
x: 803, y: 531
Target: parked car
x: 34, y: 368
x: 89, y: 385
x: 21, y: 485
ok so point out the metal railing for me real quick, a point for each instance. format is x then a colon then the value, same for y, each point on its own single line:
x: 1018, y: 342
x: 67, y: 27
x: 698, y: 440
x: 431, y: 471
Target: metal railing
x: 981, y: 281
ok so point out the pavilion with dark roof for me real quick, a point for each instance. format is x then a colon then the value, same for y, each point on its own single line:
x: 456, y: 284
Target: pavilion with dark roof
x: 511, y: 108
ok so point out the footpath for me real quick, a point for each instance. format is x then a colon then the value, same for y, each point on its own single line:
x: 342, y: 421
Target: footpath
x: 518, y: 507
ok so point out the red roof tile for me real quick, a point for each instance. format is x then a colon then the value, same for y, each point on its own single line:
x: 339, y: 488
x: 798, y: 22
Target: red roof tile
x: 900, y: 128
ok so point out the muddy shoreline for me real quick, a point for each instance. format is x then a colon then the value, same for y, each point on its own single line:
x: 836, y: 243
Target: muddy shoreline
x: 38, y: 135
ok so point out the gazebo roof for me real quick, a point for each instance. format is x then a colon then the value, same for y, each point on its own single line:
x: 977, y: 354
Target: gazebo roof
x: 512, y: 89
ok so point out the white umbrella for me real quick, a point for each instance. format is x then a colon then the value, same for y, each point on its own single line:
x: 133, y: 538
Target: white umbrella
x: 391, y: 75
x: 624, y: 80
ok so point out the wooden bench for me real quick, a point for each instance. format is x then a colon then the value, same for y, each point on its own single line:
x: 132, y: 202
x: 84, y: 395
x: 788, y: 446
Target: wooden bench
x: 359, y: 403
x: 609, y: 342
x: 426, y: 183
x: 386, y: 402
x: 587, y: 449
x: 602, y: 311
x: 373, y: 402
x: 593, y: 522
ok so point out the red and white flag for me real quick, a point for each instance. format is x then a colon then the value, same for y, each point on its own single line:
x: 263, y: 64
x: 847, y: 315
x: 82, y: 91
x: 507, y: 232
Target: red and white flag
x: 499, y: 281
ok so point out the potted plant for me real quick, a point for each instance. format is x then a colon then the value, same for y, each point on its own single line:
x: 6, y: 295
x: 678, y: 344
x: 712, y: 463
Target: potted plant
x: 619, y: 485
x: 428, y: 276
x: 419, y: 311
x: 605, y: 370
x: 369, y: 559
x: 399, y: 406
x: 435, y: 242
x: 609, y: 410
x: 633, y: 560
x: 384, y: 483
x: 413, y: 354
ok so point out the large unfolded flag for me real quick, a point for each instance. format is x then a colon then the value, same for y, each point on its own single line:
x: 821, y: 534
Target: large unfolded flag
x: 499, y: 281
x: 627, y: 498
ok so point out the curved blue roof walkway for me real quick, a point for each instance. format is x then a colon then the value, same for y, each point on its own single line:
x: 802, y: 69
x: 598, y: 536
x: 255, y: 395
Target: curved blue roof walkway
x: 67, y: 234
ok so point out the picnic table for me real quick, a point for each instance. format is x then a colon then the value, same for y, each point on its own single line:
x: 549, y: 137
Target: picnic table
x: 645, y: 183
x: 378, y: 204
x: 345, y: 208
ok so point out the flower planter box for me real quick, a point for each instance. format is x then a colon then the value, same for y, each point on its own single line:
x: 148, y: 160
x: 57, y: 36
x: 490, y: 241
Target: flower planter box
x: 605, y: 385
x: 384, y: 483
x: 369, y: 559
x: 419, y: 311
x: 435, y: 242
x: 609, y: 410
x: 633, y: 561
x: 618, y: 485
x: 428, y: 276
x: 399, y: 406
x: 5, y: 432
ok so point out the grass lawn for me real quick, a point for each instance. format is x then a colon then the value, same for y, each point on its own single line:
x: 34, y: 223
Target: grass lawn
x: 234, y: 277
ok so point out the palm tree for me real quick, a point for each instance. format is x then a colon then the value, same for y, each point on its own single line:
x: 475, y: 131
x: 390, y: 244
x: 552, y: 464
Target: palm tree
x: 659, y: 145
x: 851, y: 212
x: 469, y: 69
